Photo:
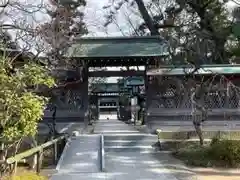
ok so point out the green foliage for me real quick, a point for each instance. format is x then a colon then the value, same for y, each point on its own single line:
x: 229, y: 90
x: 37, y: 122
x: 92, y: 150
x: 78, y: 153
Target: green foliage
x: 21, y: 108
x: 236, y: 30
x: 221, y: 153
x: 227, y: 151
x: 214, y: 141
x: 236, y: 51
x: 193, y: 154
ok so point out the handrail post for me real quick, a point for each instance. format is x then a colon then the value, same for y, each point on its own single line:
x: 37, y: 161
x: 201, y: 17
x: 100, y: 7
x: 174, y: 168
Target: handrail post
x: 15, y: 168
x: 11, y: 167
x: 55, y: 151
x: 36, y: 152
x: 102, y: 153
x: 39, y: 161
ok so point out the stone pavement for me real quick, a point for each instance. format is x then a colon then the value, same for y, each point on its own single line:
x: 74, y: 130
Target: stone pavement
x: 81, y: 155
x: 113, y: 126
x: 128, y: 155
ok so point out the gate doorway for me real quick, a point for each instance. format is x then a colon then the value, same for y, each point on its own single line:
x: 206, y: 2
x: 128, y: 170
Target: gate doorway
x: 87, y: 53
x: 121, y: 99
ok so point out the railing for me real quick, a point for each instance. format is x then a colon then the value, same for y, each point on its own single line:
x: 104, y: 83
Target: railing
x: 14, y: 160
x: 102, y: 153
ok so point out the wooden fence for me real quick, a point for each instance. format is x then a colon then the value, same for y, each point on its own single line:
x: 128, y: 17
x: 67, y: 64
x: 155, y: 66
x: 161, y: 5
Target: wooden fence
x: 12, y: 162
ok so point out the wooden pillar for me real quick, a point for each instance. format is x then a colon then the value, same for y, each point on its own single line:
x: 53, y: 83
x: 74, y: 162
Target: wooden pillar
x: 85, y: 96
x: 15, y: 168
x: 98, y: 104
x: 55, y: 150
x: 39, y: 161
x: 146, y: 83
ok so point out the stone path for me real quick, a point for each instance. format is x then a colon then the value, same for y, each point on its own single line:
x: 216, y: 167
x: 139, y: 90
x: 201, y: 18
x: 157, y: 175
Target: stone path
x: 113, y: 126
x: 128, y: 155
x: 81, y: 155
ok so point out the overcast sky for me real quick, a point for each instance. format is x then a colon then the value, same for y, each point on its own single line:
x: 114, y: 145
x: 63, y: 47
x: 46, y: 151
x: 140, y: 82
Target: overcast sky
x: 94, y: 16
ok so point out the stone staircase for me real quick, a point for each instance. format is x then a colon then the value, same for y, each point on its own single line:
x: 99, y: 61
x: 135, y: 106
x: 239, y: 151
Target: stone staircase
x: 125, y: 153
x: 113, y: 127
x: 132, y: 142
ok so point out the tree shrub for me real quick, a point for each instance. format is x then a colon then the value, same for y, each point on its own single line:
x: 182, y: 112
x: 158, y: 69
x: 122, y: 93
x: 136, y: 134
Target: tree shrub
x: 219, y: 153
x: 193, y: 155
x: 21, y: 106
x: 227, y: 151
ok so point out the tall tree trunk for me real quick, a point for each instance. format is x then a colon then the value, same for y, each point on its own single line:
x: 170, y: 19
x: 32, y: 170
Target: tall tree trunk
x: 147, y: 18
x: 198, y: 130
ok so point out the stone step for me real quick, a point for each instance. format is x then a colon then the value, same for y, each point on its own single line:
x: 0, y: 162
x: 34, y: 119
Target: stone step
x: 106, y: 132
x: 111, y: 124
x: 139, y: 161
x: 137, y: 149
x: 117, y: 128
x: 129, y: 137
x: 109, y: 121
x: 148, y: 142
x: 120, y: 173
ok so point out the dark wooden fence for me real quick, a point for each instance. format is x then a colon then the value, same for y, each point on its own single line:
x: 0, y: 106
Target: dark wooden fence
x: 57, y: 144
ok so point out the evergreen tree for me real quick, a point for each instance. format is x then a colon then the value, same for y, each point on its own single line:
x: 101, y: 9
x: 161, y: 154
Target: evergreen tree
x: 66, y: 23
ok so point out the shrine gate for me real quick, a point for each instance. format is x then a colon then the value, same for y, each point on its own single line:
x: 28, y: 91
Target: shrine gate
x: 72, y: 101
x: 167, y: 88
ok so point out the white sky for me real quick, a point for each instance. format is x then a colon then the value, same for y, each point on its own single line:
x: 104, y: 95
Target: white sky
x: 94, y: 16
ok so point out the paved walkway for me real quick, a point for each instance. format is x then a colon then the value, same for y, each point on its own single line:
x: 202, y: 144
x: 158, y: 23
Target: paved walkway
x: 113, y: 126
x: 81, y: 155
x: 128, y: 155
